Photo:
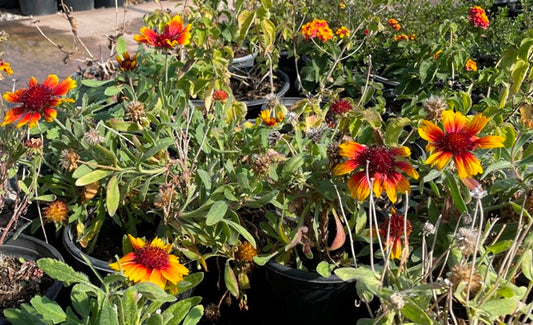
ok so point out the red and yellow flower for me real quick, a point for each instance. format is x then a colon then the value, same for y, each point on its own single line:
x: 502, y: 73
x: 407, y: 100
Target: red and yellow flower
x: 342, y: 32
x: 6, y: 67
x: 457, y: 140
x: 394, y: 24
x: 271, y: 121
x: 401, y: 37
x: 174, y: 33
x: 471, y: 65
x: 478, y: 17
x: 396, y: 226
x: 220, y: 95
x: 151, y: 262
x: 126, y: 62
x: 317, y: 28
x: 37, y: 100
x: 385, y: 167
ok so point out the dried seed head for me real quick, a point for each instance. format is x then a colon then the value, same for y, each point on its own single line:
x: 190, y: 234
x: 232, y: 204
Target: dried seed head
x: 434, y: 107
x: 34, y: 146
x: 135, y: 112
x: 465, y: 239
x: 261, y: 164
x: 429, y: 229
x: 273, y: 138
x: 164, y: 197
x: 315, y: 134
x: 56, y: 211
x: 397, y: 300
x: 245, y: 252
x: 461, y: 273
x: 93, y: 137
x: 69, y: 159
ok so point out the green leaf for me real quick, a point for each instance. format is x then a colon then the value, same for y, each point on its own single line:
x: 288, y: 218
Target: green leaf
x: 62, y: 272
x: 80, y: 301
x: 129, y: 303
x: 500, y: 246
x: 81, y: 170
x: 361, y: 273
x: 123, y: 126
x: 499, y: 307
x: 93, y: 176
x: 49, y: 309
x: 152, y: 291
x: 518, y: 73
x: 394, y: 129
x: 108, y: 314
x: 94, y: 83
x: 121, y: 46
x: 155, y: 319
x: 242, y: 231
x: 268, y: 35
x: 180, y: 309
x: 324, y: 269
x: 216, y: 213
x: 451, y: 183
x: 415, y: 313
x: 292, y: 165
x: 231, y: 280
x: 112, y: 196
x: 527, y: 264
x: 194, y: 315
x: 45, y: 198
x: 244, y: 20
x: 112, y: 91
x: 162, y: 144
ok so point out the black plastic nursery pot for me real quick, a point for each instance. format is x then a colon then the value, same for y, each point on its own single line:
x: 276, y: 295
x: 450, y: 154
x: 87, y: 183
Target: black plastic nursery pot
x: 38, y: 7
x: 108, y: 3
x: 9, y: 4
x: 308, y: 298
x: 79, y: 5
x: 254, y: 106
x: 32, y: 249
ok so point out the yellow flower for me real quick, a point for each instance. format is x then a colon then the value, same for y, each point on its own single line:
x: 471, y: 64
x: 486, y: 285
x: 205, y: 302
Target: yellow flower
x: 471, y: 65
x: 343, y: 32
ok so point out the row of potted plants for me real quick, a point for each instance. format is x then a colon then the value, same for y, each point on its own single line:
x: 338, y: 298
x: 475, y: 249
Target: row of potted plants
x: 412, y: 196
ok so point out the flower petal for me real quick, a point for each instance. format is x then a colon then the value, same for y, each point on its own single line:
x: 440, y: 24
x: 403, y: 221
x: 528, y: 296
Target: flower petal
x: 49, y: 114
x: 136, y: 243
x: 12, y: 115
x: 491, y: 141
x: 453, y: 122
x: 407, y: 168
x: 351, y: 149
x: 51, y: 81
x: 157, y: 278
x: 359, y: 186
x: 345, y: 167
x: 476, y: 124
x: 440, y: 158
x: 430, y: 132
x: 64, y: 86
x: 467, y: 165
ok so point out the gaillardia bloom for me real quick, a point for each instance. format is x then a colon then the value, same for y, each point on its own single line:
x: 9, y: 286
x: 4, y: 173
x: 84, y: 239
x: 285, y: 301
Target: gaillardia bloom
x: 317, y: 28
x: 151, y: 262
x: 384, y: 166
x: 271, y: 121
x: 478, y: 17
x: 471, y: 65
x: 457, y: 140
x: 37, y: 100
x: 394, y: 226
x: 126, y: 62
x: 6, y: 67
x: 174, y: 33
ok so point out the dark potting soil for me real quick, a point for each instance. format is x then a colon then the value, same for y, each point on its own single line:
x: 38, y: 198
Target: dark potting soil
x: 251, y: 87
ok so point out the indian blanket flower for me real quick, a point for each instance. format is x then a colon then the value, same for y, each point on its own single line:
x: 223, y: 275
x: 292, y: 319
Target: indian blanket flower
x: 342, y: 32
x: 394, y: 227
x: 271, y: 121
x: 174, y: 33
x: 37, y: 100
x: 126, y: 62
x: 385, y: 167
x: 317, y: 28
x: 6, y: 67
x: 151, y: 262
x: 394, y: 24
x: 471, y: 65
x: 478, y: 17
x: 340, y: 106
x: 220, y: 95
x: 457, y: 140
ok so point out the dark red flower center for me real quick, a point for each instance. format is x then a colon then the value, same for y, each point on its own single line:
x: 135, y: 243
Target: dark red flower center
x: 37, y: 97
x: 152, y: 257
x: 380, y: 160
x: 396, y: 226
x: 456, y: 143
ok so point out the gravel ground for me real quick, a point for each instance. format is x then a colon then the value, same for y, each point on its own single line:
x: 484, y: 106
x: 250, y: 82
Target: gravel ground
x: 11, y: 14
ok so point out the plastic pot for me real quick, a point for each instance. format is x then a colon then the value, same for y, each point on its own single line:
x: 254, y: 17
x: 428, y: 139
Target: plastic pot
x: 9, y: 4
x: 254, y: 106
x: 38, y: 7
x: 108, y: 3
x: 79, y: 5
x: 32, y: 249
x: 308, y: 298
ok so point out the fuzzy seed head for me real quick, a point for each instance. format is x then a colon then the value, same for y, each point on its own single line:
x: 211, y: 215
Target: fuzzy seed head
x: 465, y: 239
x: 434, y: 106
x: 461, y: 273
x: 245, y: 252
x: 69, y: 159
x: 56, y: 212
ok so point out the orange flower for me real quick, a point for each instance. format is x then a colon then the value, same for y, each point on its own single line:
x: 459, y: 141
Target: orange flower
x: 412, y: 37
x: 343, y: 32
x: 126, y: 63
x: 271, y: 121
x: 220, y: 95
x: 478, y: 17
x: 151, y: 262
x: 317, y: 28
x: 394, y: 24
x: 174, y: 33
x: 436, y: 55
x: 384, y: 166
x: 471, y: 65
x: 6, y: 67
x: 342, y: 5
x: 401, y: 37
x: 457, y: 140
x: 37, y: 99
x: 394, y: 226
